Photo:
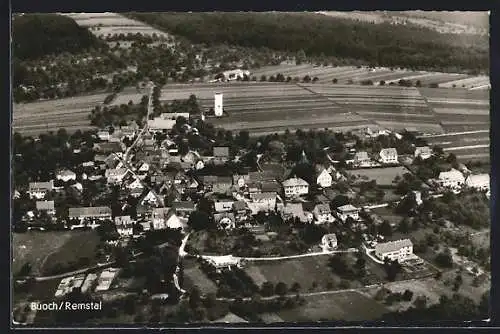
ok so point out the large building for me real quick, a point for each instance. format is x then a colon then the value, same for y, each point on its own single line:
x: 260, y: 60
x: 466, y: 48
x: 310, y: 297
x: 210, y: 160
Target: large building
x: 346, y: 211
x: 479, y: 182
x: 295, y: 187
x: 218, y: 106
x: 399, y: 250
x: 452, y: 179
x: 388, y: 156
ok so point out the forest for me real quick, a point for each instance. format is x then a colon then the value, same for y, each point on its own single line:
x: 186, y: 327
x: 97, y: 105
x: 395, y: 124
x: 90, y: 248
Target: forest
x: 37, y: 35
x: 331, y: 38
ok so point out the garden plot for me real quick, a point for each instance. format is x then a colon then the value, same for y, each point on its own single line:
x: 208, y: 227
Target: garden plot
x: 383, y: 176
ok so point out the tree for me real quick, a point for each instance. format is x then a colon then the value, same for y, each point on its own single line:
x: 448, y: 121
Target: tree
x: 385, y: 229
x: 392, y: 268
x: 267, y: 289
x: 407, y: 295
x: 198, y: 220
x: 444, y: 260
x: 306, y: 79
x: 194, y: 298
x: 295, y: 287
x: 382, y: 83
x: 335, y: 80
x: 263, y: 77
x: 281, y: 289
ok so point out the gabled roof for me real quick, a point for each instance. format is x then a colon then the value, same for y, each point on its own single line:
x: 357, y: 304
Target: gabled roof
x: 294, y: 181
x: 183, y: 205
x: 240, y: 205
x: 392, y: 246
x: 65, y: 172
x: 347, y: 208
x: 363, y: 155
x: 45, y: 205
x: 123, y: 220
x: 270, y: 186
x: 219, y: 216
x: 221, y: 151
x: 36, y: 186
x: 323, y: 208
x: 91, y: 211
x: 391, y: 151
x: 259, y: 196
x: 451, y: 174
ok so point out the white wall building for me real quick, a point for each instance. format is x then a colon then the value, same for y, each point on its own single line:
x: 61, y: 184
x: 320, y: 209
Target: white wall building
x: 295, y: 187
x: 452, y: 179
x: 218, y: 105
x: 66, y: 175
x: 424, y: 152
x: 388, y: 156
x: 345, y: 211
x: 323, y: 214
x: 124, y: 226
x: 399, y: 250
x: 324, y: 179
x: 479, y: 182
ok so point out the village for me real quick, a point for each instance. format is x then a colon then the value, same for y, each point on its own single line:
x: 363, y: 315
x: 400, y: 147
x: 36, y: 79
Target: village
x: 230, y: 205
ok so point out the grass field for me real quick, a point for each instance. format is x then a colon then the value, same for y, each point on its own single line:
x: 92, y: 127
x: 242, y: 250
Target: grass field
x: 80, y: 244
x: 344, y: 306
x: 383, y: 176
x: 194, y: 276
x: 35, y: 247
x: 304, y: 271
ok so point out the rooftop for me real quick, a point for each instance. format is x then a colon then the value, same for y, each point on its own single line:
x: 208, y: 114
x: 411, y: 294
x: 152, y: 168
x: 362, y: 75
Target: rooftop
x: 392, y: 246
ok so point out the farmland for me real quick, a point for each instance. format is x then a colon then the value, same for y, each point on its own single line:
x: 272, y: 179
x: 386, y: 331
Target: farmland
x: 102, y: 24
x: 383, y: 176
x: 474, y: 145
x: 43, y: 116
x: 35, y: 248
x: 344, y: 306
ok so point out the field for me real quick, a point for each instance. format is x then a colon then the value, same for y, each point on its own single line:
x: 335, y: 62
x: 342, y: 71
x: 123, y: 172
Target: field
x: 43, y: 116
x: 348, y: 74
x: 102, y: 24
x: 383, y: 176
x: 292, y: 271
x: 194, y: 276
x: 35, y: 247
x: 81, y: 244
x: 344, y: 306
x: 474, y: 145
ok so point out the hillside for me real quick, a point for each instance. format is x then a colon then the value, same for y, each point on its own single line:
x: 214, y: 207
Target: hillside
x: 319, y: 35
x: 37, y: 35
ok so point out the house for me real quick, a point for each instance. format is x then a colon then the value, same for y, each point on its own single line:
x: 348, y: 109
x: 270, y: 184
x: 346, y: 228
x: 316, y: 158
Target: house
x: 151, y: 199
x: 65, y: 175
x: 293, y: 211
x: 262, y: 202
x: 183, y: 208
x: 324, y: 179
x: 230, y: 318
x: 222, y: 184
x: 47, y: 206
x: 225, y: 220
x: 329, y: 242
x: 191, y: 157
x: 452, y: 179
x: 103, y: 135
x: 163, y: 218
x: 39, y: 190
x: 323, y: 214
x: 361, y: 158
x: 223, y: 205
x: 295, y: 187
x: 479, y: 182
x: 109, y: 147
x: 241, y: 211
x: 399, y: 250
x: 388, y: 156
x: 116, y: 175
x: 91, y: 213
x: 241, y: 180
x: 223, y: 262
x: 160, y: 124
x: 199, y: 164
x: 424, y: 152
x: 143, y: 168
x: 221, y: 154
x: 136, y: 184
x: 345, y: 211
x: 124, y: 226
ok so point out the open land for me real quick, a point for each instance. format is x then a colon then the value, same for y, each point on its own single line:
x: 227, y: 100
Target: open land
x: 34, y: 248
x: 383, y: 176
x: 343, y: 306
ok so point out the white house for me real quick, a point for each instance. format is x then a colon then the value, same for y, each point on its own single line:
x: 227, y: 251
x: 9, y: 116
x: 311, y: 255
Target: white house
x: 103, y: 135
x: 151, y: 198
x: 361, y: 158
x: 65, y: 175
x: 345, y: 211
x: 223, y: 261
x: 116, y: 175
x: 295, y: 187
x: 223, y: 205
x: 160, y: 124
x: 124, y: 226
x: 324, y: 179
x: 479, y: 181
x: 235, y: 74
x: 452, y: 179
x: 144, y: 168
x: 388, y: 156
x: 163, y: 218
x: 135, y: 185
x: 329, y: 242
x: 38, y: 190
x: 262, y: 202
x: 424, y: 152
x: 399, y: 250
x: 323, y: 214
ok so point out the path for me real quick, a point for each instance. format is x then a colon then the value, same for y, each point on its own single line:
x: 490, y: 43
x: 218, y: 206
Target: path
x: 454, y: 134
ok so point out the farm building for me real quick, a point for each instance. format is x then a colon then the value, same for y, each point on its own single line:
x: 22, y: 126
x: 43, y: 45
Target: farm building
x: 399, y: 250
x: 345, y: 211
x: 223, y: 262
x: 293, y: 211
x: 106, y: 278
x: 424, y: 152
x: 235, y: 74
x: 223, y: 205
x: 388, y: 156
x: 361, y: 159
x: 452, y: 179
x: 479, y: 182
x: 92, y: 212
x: 295, y: 187
x: 38, y: 190
x: 160, y: 124
x: 262, y: 202
x: 183, y: 208
x: 163, y: 218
